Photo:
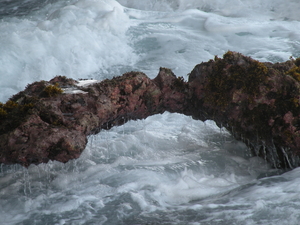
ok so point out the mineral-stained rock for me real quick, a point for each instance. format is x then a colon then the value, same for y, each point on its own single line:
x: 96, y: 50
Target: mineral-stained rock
x: 257, y: 102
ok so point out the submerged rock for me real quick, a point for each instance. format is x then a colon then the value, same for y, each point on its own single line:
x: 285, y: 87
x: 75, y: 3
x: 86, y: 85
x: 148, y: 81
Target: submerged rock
x: 257, y: 102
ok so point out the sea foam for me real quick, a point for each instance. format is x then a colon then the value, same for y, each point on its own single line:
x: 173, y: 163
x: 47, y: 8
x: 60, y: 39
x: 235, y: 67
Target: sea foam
x: 167, y: 168
x: 75, y: 40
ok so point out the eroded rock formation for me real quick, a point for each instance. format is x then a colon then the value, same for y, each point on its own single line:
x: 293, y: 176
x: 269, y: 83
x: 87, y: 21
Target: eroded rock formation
x: 257, y: 102
x: 51, y: 120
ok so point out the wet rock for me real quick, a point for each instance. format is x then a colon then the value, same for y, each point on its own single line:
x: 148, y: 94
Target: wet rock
x: 257, y: 102
x: 45, y: 123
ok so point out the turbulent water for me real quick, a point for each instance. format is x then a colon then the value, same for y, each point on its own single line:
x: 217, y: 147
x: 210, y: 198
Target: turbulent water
x: 166, y: 169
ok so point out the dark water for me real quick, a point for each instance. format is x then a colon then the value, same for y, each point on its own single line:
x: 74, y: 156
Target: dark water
x: 21, y: 7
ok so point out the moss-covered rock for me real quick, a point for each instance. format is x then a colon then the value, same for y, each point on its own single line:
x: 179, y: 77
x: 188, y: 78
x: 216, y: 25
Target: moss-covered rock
x: 52, y: 90
x: 12, y: 114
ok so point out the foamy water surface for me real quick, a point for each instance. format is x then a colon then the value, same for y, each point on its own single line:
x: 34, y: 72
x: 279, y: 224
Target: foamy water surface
x: 166, y: 169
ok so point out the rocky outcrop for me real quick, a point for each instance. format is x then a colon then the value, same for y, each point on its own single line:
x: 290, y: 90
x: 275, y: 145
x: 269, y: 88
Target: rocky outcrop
x: 51, y: 120
x: 257, y: 102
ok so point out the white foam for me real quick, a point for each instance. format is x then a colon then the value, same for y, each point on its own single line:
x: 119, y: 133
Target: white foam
x: 143, y: 166
x: 73, y: 91
x: 84, y: 83
x: 75, y: 40
x: 188, y: 36
x: 80, y: 83
x: 190, y: 187
x: 278, y: 9
x: 84, y: 38
x: 167, y: 167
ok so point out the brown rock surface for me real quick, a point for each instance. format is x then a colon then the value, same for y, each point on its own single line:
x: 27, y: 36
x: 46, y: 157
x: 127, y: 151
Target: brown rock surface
x: 42, y: 124
x: 257, y: 102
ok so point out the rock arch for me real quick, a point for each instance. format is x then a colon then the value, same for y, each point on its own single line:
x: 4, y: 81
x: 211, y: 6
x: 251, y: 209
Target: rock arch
x: 257, y: 102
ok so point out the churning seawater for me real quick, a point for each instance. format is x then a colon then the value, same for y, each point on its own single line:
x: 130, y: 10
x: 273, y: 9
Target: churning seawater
x: 166, y: 169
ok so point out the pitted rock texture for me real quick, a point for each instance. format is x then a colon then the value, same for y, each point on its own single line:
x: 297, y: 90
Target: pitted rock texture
x: 41, y: 123
x: 257, y: 102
